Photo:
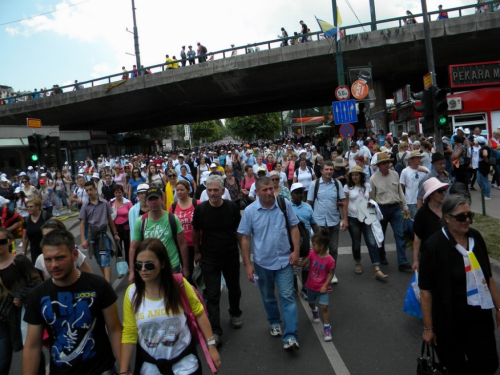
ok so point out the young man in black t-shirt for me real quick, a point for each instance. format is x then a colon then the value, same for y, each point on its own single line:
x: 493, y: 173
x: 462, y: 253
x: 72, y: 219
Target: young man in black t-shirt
x: 79, y: 312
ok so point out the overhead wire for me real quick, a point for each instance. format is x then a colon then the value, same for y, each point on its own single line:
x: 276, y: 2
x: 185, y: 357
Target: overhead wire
x: 43, y: 14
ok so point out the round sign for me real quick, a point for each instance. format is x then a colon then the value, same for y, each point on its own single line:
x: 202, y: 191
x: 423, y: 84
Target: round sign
x: 359, y: 89
x: 342, y: 93
x: 346, y: 130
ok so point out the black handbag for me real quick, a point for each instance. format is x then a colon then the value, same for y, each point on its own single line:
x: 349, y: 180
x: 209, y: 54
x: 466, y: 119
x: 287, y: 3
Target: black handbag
x: 427, y: 365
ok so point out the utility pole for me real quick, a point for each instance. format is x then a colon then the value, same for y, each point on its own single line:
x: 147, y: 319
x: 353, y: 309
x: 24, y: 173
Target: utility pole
x: 136, y: 40
x: 430, y: 65
x: 373, y: 17
x: 338, y: 49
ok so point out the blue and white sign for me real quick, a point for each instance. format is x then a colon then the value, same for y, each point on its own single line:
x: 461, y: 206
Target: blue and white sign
x: 344, y: 112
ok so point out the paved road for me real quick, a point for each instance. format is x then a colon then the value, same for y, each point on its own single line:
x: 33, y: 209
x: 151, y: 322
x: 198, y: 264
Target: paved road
x: 371, y: 334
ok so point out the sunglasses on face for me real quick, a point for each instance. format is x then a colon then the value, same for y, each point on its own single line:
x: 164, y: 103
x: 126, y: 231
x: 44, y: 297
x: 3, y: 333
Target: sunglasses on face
x: 275, y: 179
x: 149, y: 266
x: 462, y: 217
x: 171, y: 175
x: 440, y: 191
x: 4, y: 241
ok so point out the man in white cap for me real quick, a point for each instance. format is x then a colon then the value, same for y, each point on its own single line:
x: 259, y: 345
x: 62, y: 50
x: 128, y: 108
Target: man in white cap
x: 33, y: 176
x: 181, y: 159
x: 140, y: 208
x: 410, y: 178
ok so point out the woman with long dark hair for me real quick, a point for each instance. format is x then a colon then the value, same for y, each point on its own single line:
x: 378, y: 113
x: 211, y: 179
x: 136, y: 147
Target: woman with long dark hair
x: 134, y: 181
x: 122, y: 207
x: 165, y: 336
x: 60, y: 192
x: 356, y: 188
x: 17, y: 278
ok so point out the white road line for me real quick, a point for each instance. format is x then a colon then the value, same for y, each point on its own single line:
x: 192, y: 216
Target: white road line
x: 331, y: 351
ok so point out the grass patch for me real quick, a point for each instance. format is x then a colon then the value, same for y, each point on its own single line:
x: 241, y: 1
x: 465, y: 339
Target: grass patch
x: 489, y: 228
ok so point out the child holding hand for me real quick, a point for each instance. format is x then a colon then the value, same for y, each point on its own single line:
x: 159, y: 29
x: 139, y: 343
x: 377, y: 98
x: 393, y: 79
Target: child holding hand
x: 320, y: 274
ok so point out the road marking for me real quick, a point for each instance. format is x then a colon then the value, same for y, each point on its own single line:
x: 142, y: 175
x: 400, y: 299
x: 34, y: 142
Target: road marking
x: 330, y: 349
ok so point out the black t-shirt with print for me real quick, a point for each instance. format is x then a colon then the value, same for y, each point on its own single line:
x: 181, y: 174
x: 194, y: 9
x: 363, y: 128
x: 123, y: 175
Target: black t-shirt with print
x: 72, y: 315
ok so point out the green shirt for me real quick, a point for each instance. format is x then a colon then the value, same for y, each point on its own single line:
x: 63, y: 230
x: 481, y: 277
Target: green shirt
x: 160, y: 229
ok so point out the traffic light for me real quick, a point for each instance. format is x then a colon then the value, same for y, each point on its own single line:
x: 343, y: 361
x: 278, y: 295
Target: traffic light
x: 426, y: 107
x: 440, y: 106
x: 44, y: 145
x: 34, y: 146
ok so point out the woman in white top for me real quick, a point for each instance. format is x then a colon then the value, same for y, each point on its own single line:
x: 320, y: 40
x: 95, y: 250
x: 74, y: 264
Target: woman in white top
x: 21, y: 203
x: 426, y: 148
x: 29, y: 190
x: 202, y: 167
x: 305, y: 175
x: 283, y: 180
x: 155, y: 179
x: 357, y: 188
x: 163, y: 336
x: 474, y: 163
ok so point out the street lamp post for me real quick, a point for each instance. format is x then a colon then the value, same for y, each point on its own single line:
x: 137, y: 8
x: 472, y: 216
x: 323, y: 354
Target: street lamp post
x: 136, y: 40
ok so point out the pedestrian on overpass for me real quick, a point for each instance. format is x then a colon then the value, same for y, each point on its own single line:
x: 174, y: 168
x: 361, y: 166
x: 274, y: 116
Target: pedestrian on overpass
x: 264, y: 224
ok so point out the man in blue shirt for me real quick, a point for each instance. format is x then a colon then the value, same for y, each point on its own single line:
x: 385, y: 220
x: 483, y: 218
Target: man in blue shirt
x: 327, y: 207
x: 264, y: 223
x: 305, y: 214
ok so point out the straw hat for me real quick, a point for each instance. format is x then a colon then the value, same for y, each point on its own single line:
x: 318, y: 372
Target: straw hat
x: 356, y: 169
x: 415, y: 154
x: 339, y: 162
x: 431, y: 185
x: 383, y: 157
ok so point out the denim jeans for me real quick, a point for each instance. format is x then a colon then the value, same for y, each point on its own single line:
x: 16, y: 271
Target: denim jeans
x: 356, y: 228
x: 392, y: 214
x: 5, y: 348
x: 413, y: 210
x: 284, y: 281
x: 61, y: 198
x: 484, y: 184
x: 211, y: 271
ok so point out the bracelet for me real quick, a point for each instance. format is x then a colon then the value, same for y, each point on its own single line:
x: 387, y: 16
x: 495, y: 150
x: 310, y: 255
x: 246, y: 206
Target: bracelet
x: 428, y: 329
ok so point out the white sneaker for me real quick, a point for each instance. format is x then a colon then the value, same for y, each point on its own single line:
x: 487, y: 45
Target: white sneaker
x: 334, y: 280
x: 291, y: 344
x: 487, y: 198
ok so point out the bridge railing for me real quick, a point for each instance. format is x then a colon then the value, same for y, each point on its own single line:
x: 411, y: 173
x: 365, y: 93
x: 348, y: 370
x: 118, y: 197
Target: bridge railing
x: 266, y: 45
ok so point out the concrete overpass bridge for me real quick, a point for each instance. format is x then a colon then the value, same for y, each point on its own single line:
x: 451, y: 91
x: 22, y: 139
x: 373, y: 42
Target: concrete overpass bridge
x: 277, y: 79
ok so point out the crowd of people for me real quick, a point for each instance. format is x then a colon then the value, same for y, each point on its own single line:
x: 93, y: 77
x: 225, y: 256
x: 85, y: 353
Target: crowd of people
x: 183, y: 214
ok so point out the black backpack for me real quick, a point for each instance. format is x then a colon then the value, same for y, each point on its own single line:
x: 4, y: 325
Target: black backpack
x: 400, y: 163
x: 304, y: 233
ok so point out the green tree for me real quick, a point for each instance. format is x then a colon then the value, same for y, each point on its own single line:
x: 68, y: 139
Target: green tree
x: 207, y: 130
x: 262, y: 126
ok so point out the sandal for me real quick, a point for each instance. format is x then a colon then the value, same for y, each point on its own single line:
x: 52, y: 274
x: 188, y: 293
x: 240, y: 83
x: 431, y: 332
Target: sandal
x: 380, y: 276
x: 358, y: 269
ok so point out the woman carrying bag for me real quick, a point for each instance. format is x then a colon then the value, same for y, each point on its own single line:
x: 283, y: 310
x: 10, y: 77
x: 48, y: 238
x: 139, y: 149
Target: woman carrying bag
x: 459, y: 297
x: 164, y: 343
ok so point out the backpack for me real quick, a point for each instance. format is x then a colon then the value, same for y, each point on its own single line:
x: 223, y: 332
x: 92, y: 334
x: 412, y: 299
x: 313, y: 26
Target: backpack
x: 316, y: 188
x: 173, y: 227
x: 174, y: 205
x: 304, y: 233
x: 400, y: 164
x: 308, y: 168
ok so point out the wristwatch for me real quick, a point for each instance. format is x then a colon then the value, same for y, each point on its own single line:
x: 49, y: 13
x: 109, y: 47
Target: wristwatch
x: 211, y: 341
x: 116, y: 234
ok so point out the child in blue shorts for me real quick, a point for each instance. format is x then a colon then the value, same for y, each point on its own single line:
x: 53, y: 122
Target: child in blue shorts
x: 321, y: 265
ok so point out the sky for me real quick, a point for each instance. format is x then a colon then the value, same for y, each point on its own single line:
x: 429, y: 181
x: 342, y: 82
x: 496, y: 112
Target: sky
x: 86, y: 39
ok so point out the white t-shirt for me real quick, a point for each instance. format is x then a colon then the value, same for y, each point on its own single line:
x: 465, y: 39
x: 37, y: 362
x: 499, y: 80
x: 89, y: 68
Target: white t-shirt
x: 354, y: 193
x: 40, y: 264
x: 410, y: 178
x: 304, y: 177
x: 283, y: 179
x: 350, y: 157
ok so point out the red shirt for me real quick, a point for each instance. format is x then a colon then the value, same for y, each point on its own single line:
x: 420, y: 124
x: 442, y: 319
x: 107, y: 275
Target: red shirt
x: 186, y: 218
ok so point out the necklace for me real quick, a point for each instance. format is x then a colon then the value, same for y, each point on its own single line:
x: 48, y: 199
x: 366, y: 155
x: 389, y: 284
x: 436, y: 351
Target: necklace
x: 79, y: 274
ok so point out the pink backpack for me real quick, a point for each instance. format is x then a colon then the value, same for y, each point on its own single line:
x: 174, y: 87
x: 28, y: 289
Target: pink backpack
x: 191, y: 319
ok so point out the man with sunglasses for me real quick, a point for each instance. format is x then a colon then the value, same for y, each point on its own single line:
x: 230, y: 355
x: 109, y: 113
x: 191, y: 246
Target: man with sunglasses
x: 79, y: 310
x: 388, y: 193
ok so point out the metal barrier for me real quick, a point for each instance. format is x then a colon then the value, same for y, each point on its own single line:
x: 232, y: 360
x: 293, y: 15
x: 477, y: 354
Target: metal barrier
x: 226, y: 53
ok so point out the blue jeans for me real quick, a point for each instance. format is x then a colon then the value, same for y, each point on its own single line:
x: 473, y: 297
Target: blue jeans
x: 392, y: 214
x: 356, y: 228
x: 413, y: 210
x: 484, y: 184
x: 284, y: 281
x: 5, y: 348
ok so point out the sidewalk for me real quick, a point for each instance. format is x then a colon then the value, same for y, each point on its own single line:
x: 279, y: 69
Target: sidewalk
x: 492, y: 206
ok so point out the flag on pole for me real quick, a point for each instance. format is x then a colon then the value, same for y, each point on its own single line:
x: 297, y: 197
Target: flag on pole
x: 328, y: 29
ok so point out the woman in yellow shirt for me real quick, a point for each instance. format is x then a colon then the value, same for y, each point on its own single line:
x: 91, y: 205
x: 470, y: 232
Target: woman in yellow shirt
x: 154, y: 321
x: 170, y: 196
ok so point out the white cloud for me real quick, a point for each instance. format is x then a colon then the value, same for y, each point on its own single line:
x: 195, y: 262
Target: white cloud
x: 12, y: 30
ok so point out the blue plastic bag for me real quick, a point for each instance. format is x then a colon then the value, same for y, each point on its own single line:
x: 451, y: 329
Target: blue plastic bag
x: 412, y: 299
x: 408, y: 227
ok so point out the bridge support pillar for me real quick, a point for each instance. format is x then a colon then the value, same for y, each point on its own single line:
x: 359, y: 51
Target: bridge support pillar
x: 378, y: 109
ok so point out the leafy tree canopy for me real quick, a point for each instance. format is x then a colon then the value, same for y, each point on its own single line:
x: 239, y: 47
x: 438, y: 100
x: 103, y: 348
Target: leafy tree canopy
x: 262, y: 126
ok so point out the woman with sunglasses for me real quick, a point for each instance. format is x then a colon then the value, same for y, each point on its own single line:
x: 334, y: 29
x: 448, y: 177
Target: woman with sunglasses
x: 167, y: 336
x: 458, y: 293
x: 184, y: 210
x: 17, y: 278
x: 428, y: 218
x: 32, y: 234
x: 135, y: 181
x: 119, y: 176
x: 185, y: 176
x: 170, y: 195
x: 279, y: 190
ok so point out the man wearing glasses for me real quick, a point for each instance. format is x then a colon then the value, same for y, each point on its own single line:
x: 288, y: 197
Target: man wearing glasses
x: 388, y: 193
x: 410, y: 179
